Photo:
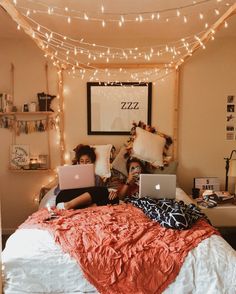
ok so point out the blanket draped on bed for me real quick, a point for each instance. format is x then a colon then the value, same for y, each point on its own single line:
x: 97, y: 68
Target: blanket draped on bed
x: 169, y: 213
x: 119, y: 249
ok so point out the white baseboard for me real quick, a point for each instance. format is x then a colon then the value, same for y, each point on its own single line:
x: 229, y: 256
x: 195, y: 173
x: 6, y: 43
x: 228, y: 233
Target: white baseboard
x: 8, y: 231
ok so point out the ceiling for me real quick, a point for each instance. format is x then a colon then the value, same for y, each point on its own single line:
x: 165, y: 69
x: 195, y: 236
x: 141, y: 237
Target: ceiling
x: 131, y: 32
x: 150, y: 30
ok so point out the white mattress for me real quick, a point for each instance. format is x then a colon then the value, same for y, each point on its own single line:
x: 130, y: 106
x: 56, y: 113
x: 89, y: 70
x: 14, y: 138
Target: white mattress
x: 33, y: 263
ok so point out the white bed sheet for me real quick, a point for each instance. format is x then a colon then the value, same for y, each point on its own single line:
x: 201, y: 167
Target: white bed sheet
x: 33, y: 263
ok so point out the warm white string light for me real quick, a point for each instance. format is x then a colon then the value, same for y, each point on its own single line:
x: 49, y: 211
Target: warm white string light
x: 71, y: 62
x: 61, y: 60
x: 147, y: 75
x: 92, y: 54
x: 114, y: 17
x: 54, y: 44
x: 110, y: 76
x: 62, y: 49
x: 115, y: 54
x: 104, y: 51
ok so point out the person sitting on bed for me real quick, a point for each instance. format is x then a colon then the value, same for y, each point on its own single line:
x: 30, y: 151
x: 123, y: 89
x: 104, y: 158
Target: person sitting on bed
x: 169, y: 213
x: 134, y: 168
x: 84, y: 197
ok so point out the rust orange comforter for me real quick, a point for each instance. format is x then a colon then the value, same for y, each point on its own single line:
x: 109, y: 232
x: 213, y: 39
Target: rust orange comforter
x: 119, y: 249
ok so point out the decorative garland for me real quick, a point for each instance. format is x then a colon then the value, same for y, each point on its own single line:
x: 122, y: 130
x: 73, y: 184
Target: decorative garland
x: 27, y: 126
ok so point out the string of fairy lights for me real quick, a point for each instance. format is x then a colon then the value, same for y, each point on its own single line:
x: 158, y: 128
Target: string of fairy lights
x: 78, y: 56
x: 73, y: 47
x: 104, y: 16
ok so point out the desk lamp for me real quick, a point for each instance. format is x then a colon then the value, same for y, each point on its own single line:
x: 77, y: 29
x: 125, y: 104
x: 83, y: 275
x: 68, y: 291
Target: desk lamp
x: 230, y: 164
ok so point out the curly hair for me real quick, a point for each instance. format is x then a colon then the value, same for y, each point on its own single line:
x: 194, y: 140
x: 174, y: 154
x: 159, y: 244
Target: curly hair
x: 133, y: 159
x: 81, y: 150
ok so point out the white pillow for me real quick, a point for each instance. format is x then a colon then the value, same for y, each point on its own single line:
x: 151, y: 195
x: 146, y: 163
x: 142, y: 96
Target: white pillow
x: 102, y: 164
x: 119, y: 162
x: 148, y: 147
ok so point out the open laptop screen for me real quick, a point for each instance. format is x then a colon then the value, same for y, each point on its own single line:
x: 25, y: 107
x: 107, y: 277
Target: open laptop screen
x: 76, y: 176
x: 157, y: 186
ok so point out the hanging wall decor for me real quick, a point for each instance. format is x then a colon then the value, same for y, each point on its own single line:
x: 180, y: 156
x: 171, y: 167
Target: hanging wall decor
x: 19, y: 156
x: 113, y: 107
x: 27, y: 126
x: 230, y: 118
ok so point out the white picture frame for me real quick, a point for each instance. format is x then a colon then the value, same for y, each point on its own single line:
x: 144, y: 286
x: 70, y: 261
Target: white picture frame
x: 113, y: 107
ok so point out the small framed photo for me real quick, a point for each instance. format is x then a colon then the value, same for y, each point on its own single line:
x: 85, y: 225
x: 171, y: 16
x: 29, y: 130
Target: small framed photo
x: 230, y: 118
x: 230, y: 99
x: 43, y: 161
x: 19, y: 156
x: 230, y: 108
x: 207, y: 183
x: 229, y: 136
x: 230, y: 128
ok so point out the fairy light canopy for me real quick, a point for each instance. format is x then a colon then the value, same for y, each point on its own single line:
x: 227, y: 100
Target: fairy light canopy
x: 82, y: 36
x: 139, y: 40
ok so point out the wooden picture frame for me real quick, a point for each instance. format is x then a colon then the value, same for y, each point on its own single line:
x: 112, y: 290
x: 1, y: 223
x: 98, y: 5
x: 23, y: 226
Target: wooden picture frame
x: 113, y: 107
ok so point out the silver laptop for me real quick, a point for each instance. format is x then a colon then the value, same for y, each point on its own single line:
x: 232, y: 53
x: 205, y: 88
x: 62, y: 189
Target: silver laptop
x: 157, y: 186
x: 76, y: 176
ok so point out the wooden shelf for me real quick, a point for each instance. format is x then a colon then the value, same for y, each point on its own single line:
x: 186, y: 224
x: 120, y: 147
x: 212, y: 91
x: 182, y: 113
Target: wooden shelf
x: 25, y: 117
x: 27, y: 113
x: 29, y: 170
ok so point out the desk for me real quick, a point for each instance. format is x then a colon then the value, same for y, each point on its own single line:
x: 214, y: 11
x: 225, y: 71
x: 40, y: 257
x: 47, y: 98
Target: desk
x: 223, y: 215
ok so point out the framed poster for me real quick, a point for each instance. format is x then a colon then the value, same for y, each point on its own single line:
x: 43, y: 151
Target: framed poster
x: 19, y: 156
x: 113, y: 107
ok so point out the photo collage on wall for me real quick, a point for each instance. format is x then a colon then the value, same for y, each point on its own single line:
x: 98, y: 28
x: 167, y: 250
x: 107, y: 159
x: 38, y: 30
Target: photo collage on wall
x: 230, y: 118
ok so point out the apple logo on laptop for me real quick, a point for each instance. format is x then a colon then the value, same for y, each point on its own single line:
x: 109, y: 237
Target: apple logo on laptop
x: 158, y: 187
x: 76, y: 177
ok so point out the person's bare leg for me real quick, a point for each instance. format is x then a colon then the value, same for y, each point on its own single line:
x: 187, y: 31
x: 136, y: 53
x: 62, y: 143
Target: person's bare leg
x: 82, y: 200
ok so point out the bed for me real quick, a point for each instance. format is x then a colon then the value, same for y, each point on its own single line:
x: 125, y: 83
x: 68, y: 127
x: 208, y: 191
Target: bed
x: 34, y: 263
x: 116, y: 249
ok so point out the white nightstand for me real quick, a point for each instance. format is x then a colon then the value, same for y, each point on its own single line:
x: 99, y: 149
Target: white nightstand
x: 223, y: 215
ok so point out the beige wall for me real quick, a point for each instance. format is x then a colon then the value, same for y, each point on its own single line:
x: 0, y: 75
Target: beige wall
x: 18, y: 190
x: 206, y: 80
x: 76, y: 112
